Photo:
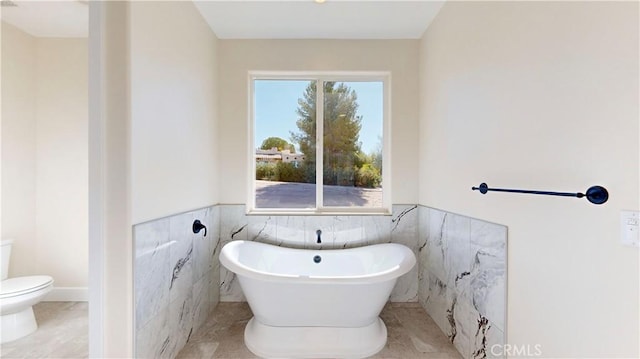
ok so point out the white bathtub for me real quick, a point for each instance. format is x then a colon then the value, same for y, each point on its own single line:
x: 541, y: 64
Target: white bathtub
x: 305, y: 309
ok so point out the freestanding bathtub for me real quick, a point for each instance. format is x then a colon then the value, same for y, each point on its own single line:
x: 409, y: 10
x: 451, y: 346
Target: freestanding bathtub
x: 316, y: 303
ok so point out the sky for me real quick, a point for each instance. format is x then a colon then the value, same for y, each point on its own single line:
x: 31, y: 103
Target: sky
x: 276, y: 102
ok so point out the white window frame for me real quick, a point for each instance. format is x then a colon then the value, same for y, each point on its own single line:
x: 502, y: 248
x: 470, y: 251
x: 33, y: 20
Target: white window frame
x: 321, y: 78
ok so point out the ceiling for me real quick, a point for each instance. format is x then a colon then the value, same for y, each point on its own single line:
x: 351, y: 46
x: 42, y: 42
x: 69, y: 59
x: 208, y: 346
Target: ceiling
x: 240, y: 19
x: 67, y: 18
x: 306, y: 19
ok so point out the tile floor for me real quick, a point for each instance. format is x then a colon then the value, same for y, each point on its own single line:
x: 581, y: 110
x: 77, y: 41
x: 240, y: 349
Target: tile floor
x: 412, y: 334
x: 63, y: 332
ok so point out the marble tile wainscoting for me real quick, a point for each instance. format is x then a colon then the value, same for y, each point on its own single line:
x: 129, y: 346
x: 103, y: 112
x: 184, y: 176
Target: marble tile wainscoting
x: 462, y: 279
x: 337, y: 232
x: 175, y: 281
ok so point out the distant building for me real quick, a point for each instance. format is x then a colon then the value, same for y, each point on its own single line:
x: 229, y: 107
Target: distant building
x: 273, y: 155
x: 266, y: 156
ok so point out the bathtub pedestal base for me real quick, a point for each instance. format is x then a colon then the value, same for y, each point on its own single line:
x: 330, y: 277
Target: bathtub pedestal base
x: 314, y: 342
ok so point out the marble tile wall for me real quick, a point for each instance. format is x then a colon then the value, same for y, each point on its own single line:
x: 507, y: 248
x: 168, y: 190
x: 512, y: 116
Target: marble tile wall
x: 175, y: 281
x: 462, y: 279
x: 337, y: 232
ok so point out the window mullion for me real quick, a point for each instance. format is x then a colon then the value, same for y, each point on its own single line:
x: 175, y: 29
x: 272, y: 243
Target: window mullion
x: 319, y: 142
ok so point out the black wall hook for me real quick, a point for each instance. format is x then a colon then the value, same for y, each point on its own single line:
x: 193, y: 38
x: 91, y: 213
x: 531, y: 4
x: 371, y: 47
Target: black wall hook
x: 198, y: 226
x: 595, y: 194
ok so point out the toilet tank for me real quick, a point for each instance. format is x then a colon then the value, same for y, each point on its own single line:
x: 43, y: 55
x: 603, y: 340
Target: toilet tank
x: 5, y: 256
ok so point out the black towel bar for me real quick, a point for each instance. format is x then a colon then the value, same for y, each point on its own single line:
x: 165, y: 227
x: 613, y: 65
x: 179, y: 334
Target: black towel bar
x: 595, y: 194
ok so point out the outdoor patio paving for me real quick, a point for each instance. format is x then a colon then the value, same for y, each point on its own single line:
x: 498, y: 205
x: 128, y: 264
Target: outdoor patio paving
x: 302, y: 195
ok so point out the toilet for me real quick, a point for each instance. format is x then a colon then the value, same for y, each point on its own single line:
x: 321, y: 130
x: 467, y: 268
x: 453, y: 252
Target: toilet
x: 17, y: 297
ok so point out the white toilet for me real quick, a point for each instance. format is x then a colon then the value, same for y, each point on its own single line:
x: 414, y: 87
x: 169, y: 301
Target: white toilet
x: 17, y: 296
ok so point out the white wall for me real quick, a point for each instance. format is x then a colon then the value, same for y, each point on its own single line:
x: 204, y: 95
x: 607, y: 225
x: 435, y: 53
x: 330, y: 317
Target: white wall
x: 542, y: 96
x: 62, y: 161
x: 19, y: 147
x: 237, y: 57
x: 110, y: 304
x: 173, y: 110
x: 1, y: 134
x: 45, y: 147
x: 155, y: 100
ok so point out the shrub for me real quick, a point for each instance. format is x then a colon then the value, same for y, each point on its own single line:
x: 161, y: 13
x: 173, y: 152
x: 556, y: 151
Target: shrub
x: 309, y: 171
x: 288, y: 172
x: 368, y: 176
x: 266, y: 171
x: 340, y: 176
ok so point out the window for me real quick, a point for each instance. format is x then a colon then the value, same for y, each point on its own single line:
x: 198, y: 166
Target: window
x: 339, y: 164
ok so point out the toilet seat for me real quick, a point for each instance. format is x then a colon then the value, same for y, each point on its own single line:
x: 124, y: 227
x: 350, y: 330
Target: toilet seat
x: 14, y: 287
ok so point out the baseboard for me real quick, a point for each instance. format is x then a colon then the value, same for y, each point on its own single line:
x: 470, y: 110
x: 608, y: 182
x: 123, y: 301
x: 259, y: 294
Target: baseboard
x: 67, y: 294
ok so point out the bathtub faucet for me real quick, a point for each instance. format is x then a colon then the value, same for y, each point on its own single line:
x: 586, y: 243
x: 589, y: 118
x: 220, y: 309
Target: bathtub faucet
x: 318, y: 233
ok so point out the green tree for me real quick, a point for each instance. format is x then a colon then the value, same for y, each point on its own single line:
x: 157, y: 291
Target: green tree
x: 341, y: 133
x: 277, y: 142
x: 376, y: 155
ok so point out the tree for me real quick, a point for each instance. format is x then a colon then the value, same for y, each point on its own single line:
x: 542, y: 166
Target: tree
x: 376, y: 155
x: 341, y: 132
x: 277, y: 142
